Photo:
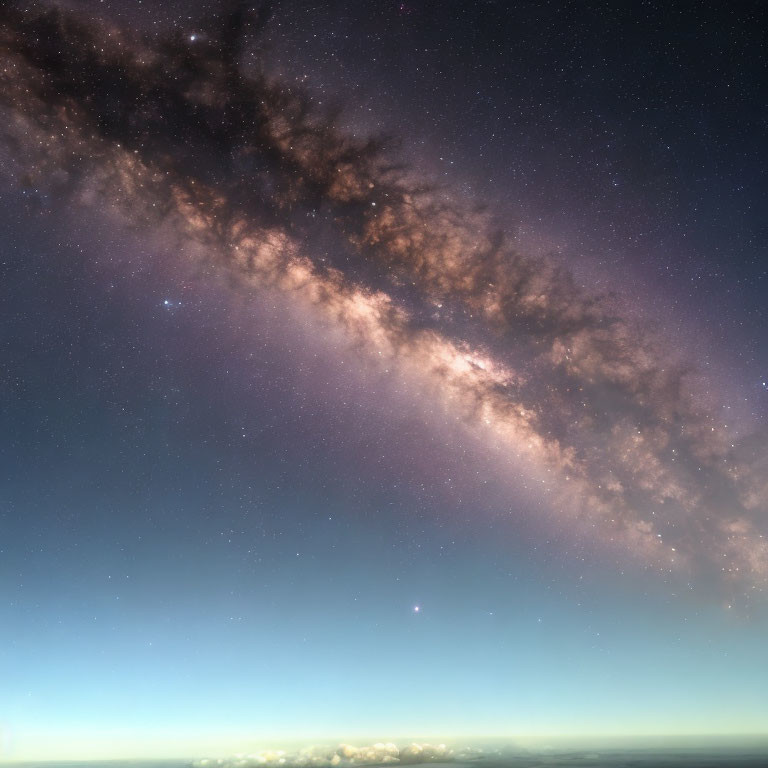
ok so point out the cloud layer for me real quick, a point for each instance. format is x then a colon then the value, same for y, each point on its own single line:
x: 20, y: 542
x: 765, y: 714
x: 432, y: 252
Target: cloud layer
x: 381, y: 753
x: 170, y: 133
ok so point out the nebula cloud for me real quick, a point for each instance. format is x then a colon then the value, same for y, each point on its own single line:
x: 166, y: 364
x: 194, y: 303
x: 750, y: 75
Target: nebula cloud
x: 173, y: 133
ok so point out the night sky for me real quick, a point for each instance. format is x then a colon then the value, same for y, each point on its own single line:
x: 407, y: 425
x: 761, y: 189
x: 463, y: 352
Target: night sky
x: 381, y: 371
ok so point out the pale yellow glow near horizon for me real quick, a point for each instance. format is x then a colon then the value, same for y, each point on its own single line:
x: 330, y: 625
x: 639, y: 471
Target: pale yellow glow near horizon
x: 22, y: 745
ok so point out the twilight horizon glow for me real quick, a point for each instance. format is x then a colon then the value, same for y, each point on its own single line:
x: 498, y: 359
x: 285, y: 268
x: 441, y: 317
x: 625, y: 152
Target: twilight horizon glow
x: 293, y: 246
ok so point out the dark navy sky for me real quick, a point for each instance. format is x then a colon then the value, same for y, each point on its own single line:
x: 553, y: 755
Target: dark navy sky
x: 223, y: 527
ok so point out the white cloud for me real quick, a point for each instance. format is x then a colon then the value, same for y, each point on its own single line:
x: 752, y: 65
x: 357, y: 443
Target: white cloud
x: 344, y: 756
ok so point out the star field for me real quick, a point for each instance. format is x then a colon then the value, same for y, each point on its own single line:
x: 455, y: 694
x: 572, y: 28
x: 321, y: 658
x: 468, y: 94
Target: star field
x: 389, y: 370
